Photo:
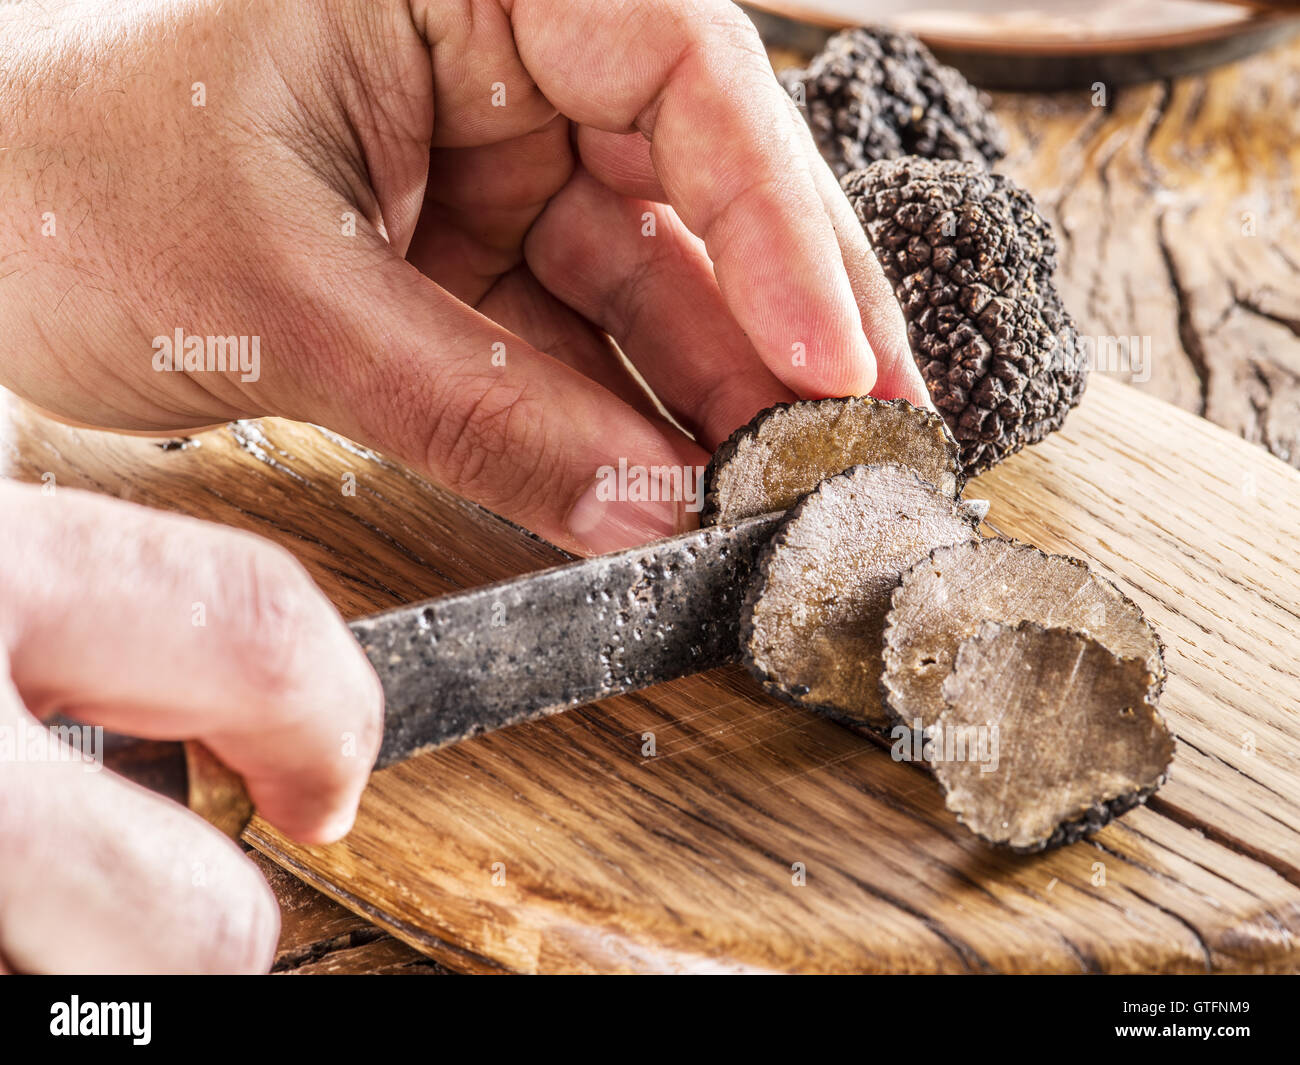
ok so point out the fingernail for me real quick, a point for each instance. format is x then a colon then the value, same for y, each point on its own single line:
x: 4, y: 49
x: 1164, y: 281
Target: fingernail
x: 603, y: 525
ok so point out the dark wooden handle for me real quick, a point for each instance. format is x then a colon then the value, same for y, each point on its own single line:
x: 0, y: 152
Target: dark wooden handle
x: 187, y: 773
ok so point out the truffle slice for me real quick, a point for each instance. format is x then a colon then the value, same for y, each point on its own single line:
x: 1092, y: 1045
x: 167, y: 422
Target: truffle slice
x: 1078, y: 740
x: 787, y: 450
x: 943, y: 599
x: 810, y: 628
x: 972, y: 264
x: 873, y: 93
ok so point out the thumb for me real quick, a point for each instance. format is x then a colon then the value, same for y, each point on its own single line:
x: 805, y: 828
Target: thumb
x: 411, y: 370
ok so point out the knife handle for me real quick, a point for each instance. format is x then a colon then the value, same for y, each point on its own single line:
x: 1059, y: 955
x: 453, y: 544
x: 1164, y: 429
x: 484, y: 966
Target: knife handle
x: 216, y: 792
x: 187, y: 773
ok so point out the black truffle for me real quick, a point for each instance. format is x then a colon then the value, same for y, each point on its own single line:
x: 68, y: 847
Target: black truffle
x: 810, y: 628
x: 1046, y: 736
x: 971, y: 262
x: 787, y: 450
x: 875, y: 94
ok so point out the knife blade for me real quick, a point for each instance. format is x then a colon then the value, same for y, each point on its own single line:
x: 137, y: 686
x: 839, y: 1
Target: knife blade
x: 468, y: 663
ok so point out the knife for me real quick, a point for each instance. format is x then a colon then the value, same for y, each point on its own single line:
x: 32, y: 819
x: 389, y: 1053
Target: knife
x: 475, y: 661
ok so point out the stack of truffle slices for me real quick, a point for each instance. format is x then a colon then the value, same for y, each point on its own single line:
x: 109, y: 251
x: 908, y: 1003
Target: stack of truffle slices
x: 1030, y: 682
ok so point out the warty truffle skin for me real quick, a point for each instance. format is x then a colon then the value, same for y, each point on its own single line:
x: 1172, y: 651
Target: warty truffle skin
x: 875, y: 94
x: 972, y: 263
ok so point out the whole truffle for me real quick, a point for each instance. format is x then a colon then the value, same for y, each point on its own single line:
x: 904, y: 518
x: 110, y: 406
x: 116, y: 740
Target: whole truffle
x: 875, y: 94
x: 972, y: 263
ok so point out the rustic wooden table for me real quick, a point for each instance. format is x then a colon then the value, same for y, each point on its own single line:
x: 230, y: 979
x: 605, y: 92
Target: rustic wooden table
x: 1175, y: 207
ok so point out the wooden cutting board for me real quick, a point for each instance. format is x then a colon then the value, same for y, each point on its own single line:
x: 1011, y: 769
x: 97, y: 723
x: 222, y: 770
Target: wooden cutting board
x: 760, y: 837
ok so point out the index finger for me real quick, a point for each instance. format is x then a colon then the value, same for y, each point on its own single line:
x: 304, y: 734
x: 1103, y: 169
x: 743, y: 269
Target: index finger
x: 694, y: 79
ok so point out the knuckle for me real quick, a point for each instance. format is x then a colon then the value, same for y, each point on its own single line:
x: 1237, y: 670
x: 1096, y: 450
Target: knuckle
x: 628, y: 298
x: 489, y: 442
x: 759, y: 195
x: 627, y: 301
x: 727, y: 31
x: 274, y: 613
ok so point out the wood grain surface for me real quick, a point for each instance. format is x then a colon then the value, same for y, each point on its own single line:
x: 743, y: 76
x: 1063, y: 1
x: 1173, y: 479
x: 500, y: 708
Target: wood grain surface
x: 558, y: 846
x: 1176, y: 209
x: 318, y: 936
x: 610, y: 860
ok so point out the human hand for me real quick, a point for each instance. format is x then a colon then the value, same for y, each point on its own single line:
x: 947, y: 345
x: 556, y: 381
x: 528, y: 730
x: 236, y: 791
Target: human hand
x: 195, y: 166
x: 166, y: 628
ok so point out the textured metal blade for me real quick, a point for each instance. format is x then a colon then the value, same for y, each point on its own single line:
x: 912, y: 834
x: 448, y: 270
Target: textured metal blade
x: 464, y: 664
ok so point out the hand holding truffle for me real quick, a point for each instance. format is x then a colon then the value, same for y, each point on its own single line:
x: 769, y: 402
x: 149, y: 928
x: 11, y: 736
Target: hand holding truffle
x: 432, y: 217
